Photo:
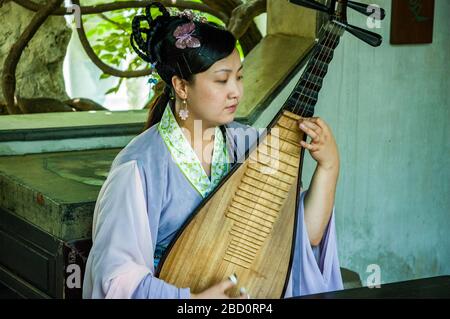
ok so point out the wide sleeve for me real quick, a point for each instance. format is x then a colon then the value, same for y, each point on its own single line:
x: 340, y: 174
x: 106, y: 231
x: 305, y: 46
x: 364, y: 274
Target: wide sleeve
x: 121, y: 258
x: 314, y: 269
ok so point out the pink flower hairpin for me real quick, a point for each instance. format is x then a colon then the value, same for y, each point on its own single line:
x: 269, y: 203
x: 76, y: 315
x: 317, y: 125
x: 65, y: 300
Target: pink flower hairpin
x: 189, y: 14
x: 185, y: 39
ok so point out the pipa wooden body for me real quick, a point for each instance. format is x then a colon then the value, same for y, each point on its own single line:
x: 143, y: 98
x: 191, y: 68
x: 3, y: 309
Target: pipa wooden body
x: 247, y: 225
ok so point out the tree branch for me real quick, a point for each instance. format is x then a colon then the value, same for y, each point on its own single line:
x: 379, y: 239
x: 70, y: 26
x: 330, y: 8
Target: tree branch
x: 251, y: 37
x: 100, y: 8
x: 104, y: 17
x: 243, y: 15
x: 110, y: 7
x: 13, y: 58
x: 99, y: 63
x: 222, y: 10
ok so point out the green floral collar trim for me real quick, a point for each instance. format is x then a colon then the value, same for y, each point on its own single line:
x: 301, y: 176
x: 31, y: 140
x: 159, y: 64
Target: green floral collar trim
x: 186, y: 158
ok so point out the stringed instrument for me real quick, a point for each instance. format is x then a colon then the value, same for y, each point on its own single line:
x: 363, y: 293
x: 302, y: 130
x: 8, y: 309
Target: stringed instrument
x: 247, y: 225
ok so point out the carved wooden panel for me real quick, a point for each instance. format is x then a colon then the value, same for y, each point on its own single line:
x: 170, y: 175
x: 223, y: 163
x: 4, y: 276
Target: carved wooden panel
x: 412, y: 21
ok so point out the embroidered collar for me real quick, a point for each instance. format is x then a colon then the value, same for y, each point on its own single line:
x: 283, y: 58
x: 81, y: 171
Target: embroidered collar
x: 186, y: 158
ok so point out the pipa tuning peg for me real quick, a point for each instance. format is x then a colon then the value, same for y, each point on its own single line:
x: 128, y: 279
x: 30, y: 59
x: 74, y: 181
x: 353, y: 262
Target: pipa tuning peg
x: 368, y: 9
x: 311, y: 4
x: 369, y: 37
x: 337, y: 10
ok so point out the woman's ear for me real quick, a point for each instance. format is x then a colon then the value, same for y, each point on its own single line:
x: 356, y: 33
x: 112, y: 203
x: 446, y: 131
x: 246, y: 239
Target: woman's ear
x: 180, y: 87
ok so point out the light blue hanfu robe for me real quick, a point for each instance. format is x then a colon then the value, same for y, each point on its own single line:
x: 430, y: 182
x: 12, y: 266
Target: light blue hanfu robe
x: 154, y: 184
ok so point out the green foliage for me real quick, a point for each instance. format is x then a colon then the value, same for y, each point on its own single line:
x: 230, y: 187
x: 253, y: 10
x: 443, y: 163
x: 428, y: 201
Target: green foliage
x: 109, y: 35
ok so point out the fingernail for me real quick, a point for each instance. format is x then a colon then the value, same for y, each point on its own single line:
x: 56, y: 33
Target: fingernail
x: 233, y: 279
x: 302, y: 125
x: 243, y: 291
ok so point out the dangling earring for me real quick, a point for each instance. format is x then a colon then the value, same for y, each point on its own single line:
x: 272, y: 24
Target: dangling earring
x: 184, y: 113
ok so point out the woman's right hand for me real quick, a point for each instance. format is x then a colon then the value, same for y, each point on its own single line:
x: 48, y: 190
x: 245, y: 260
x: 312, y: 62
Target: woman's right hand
x: 218, y: 292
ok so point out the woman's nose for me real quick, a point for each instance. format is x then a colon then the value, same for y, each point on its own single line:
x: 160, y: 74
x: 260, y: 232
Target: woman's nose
x: 235, y: 92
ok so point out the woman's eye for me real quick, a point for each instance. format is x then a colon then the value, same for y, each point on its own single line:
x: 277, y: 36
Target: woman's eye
x: 222, y: 81
x: 240, y: 77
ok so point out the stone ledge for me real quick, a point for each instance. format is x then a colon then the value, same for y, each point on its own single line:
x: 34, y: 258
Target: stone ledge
x: 51, y: 126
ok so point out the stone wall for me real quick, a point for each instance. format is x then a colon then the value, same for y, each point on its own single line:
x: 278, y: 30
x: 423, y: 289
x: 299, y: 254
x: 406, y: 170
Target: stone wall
x: 40, y: 70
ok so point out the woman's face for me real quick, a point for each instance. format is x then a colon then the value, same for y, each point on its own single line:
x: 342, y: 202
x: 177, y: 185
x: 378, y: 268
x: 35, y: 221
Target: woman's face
x: 215, y: 94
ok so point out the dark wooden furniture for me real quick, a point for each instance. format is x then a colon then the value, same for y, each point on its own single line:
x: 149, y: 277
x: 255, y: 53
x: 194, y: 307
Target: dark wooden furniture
x: 435, y: 287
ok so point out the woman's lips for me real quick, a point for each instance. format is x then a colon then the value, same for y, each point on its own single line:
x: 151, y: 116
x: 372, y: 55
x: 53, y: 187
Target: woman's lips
x: 231, y: 108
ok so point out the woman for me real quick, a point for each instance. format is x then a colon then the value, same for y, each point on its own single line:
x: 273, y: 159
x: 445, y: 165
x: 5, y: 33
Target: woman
x: 163, y: 174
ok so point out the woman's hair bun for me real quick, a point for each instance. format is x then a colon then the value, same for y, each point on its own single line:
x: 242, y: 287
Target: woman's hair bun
x: 182, y: 44
x: 142, y: 46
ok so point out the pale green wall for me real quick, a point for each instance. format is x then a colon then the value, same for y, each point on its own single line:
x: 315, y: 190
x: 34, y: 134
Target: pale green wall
x: 389, y: 110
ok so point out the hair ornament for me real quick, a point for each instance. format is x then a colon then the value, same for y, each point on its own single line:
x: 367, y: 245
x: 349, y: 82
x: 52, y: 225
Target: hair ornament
x: 153, y: 78
x: 188, y: 14
x: 185, y: 39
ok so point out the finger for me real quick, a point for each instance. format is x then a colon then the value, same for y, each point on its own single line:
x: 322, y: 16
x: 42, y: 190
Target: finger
x: 324, y: 130
x: 309, y: 131
x: 316, y: 128
x: 308, y: 146
x: 227, y: 284
x: 244, y: 294
x: 233, y: 278
x: 320, y: 122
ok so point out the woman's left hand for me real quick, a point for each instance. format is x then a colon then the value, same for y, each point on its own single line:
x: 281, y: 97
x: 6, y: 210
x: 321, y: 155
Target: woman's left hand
x: 322, y: 146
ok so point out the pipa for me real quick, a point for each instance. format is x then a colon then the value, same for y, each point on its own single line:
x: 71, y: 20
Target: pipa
x: 247, y: 225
